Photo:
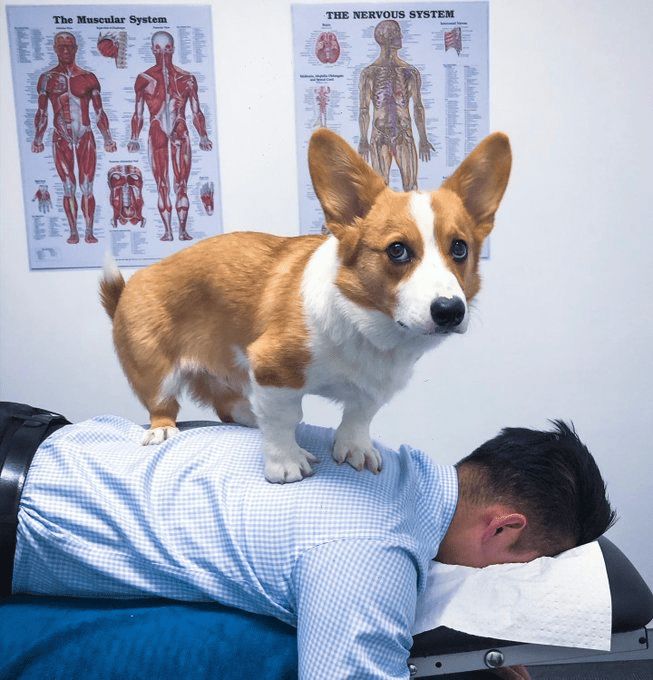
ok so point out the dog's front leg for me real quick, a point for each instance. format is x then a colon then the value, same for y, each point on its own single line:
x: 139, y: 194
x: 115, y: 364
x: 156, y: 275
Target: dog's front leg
x: 278, y: 411
x: 353, y: 443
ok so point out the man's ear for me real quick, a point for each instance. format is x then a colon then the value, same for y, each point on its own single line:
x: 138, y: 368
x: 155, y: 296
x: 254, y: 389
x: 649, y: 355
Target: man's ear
x: 345, y: 184
x: 500, y: 535
x: 481, y: 180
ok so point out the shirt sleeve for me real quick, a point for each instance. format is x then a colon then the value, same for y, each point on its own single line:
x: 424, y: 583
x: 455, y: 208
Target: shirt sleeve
x: 355, y: 603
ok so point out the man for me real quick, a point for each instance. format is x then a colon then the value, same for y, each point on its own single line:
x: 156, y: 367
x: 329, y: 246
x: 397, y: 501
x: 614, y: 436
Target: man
x: 166, y: 89
x: 341, y: 556
x: 71, y: 90
x: 389, y: 83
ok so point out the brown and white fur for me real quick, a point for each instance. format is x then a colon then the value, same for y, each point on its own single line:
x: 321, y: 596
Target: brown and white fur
x: 249, y: 322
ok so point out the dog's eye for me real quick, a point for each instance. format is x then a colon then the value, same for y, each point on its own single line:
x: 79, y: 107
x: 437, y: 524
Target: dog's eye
x: 398, y: 252
x: 459, y: 250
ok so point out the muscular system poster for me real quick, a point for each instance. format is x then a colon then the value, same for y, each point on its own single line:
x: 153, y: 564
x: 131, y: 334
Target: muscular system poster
x: 405, y: 84
x: 116, y: 114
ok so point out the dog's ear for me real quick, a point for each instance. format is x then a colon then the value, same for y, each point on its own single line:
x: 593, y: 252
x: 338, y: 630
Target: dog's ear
x: 481, y: 179
x: 345, y: 184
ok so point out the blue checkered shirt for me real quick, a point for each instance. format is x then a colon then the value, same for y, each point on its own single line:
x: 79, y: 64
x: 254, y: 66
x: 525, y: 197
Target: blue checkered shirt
x: 341, y: 555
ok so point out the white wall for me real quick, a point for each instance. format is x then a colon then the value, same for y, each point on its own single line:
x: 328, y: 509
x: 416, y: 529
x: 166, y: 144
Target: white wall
x: 563, y: 325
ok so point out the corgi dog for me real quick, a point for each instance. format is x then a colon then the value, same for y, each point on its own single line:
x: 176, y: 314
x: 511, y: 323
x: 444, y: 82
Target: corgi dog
x: 249, y: 322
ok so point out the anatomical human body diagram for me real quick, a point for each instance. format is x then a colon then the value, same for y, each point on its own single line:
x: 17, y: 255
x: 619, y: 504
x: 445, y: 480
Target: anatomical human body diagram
x: 405, y: 84
x: 116, y: 119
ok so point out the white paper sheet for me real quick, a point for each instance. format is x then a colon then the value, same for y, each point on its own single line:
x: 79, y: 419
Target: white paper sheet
x: 564, y: 600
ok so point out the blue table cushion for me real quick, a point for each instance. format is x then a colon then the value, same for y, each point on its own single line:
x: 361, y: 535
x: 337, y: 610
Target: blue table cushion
x: 47, y: 638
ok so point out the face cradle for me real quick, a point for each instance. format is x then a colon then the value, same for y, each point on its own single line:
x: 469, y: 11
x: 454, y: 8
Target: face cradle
x: 425, y: 285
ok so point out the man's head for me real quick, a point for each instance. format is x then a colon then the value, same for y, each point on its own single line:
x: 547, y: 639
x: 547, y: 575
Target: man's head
x: 65, y: 47
x: 526, y: 494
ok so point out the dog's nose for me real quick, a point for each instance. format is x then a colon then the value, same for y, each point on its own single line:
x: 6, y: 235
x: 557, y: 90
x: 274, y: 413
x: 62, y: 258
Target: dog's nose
x: 448, y: 312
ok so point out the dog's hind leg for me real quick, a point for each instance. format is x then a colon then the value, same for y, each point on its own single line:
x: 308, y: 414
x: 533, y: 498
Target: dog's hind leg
x: 234, y: 408
x: 163, y: 421
x: 160, y: 399
x: 229, y: 402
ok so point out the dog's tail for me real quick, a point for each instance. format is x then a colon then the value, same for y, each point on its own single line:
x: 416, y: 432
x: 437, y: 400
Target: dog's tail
x: 111, y: 285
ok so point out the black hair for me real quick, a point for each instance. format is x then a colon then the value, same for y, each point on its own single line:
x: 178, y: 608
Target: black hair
x: 550, y: 476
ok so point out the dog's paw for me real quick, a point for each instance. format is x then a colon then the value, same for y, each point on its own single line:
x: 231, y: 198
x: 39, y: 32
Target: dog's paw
x: 282, y: 467
x: 359, y: 454
x: 157, y: 435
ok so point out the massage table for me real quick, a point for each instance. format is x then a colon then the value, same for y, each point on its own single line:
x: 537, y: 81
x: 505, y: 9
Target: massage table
x: 60, y: 638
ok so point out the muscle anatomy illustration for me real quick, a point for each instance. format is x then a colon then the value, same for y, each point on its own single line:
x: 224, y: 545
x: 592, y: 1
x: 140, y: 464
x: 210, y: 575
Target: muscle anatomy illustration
x: 206, y: 196
x: 322, y: 98
x: 166, y: 89
x: 114, y: 46
x: 126, y: 194
x: 388, y: 84
x: 71, y: 91
x: 42, y: 196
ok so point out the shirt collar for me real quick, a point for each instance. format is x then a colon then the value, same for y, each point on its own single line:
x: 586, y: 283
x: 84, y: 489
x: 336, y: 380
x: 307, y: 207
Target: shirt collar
x: 449, y: 483
x: 444, y: 499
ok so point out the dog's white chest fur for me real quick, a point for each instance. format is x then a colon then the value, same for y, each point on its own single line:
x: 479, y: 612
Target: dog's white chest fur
x: 354, y: 351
